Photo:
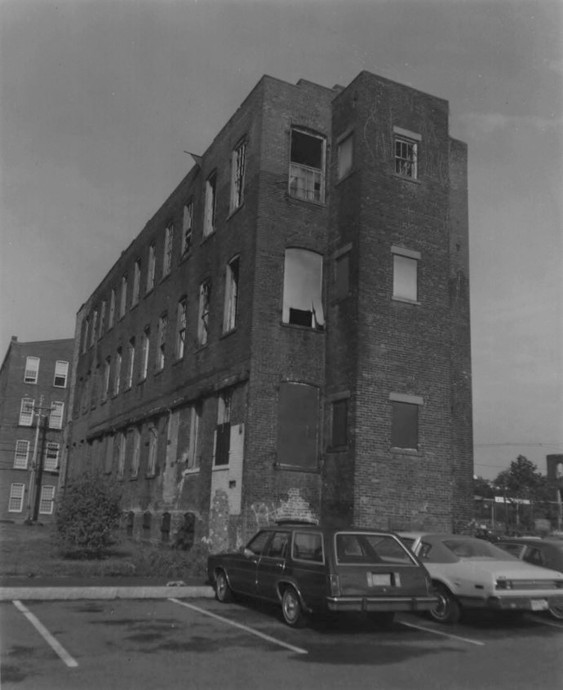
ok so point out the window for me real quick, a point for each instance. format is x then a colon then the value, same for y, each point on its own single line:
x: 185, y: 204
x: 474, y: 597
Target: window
x: 136, y: 282
x: 130, y: 363
x: 151, y: 267
x: 345, y: 155
x: 56, y: 415
x: 406, y: 152
x: 117, y: 372
x: 187, y: 227
x: 181, y: 323
x: 306, y: 169
x: 238, y: 164
x: 278, y: 545
x: 405, y: 274
x: 15, y: 502
x: 339, y: 436
x: 145, y: 349
x: 210, y: 202
x: 47, y: 500
x: 302, y: 288
x: 31, y: 370
x: 123, y: 297
x: 61, y: 374
x: 203, y: 317
x: 21, y: 455
x: 102, y: 319
x: 161, y: 341
x: 94, y: 329
x: 308, y: 546
x: 193, y: 457
x: 167, y: 254
x: 26, y: 412
x: 121, y: 450
x: 136, y: 455
x: 342, y: 274
x: 223, y: 431
x: 153, y: 448
x: 111, y: 315
x: 107, y: 378
x: 85, y: 332
x: 404, y: 420
x: 298, y: 421
x: 51, y: 461
x: 231, y: 296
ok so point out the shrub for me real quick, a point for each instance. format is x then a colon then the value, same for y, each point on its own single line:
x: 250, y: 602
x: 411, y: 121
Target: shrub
x: 87, y: 516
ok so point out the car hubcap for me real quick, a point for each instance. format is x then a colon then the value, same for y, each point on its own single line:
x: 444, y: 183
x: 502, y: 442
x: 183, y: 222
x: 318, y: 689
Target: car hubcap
x: 442, y: 607
x: 291, y: 607
x: 221, y: 586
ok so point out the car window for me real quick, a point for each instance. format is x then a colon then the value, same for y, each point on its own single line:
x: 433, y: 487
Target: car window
x: 278, y: 546
x: 475, y: 548
x: 534, y: 555
x: 308, y: 546
x: 514, y: 549
x: 370, y: 548
x: 257, y: 544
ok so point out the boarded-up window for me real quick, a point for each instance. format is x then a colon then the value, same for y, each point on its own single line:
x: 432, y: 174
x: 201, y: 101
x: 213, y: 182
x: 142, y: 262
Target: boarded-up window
x: 339, y: 423
x: 298, y: 422
x: 404, y: 425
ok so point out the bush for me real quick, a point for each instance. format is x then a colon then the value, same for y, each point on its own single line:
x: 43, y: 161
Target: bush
x: 87, y: 516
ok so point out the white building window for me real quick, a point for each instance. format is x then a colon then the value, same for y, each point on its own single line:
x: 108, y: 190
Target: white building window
x: 85, y: 332
x: 111, y: 316
x: 187, y: 228
x: 102, y: 319
x: 107, y: 378
x: 231, y: 295
x: 345, y: 155
x: 238, y: 165
x: 306, y: 168
x: 203, y: 316
x: 136, y: 282
x: 302, y: 288
x: 161, y: 342
x: 136, y: 454
x: 181, y: 325
x: 15, y: 502
x: 145, y: 349
x: 117, y: 372
x: 21, y: 455
x: 210, y: 202
x: 151, y: 267
x: 406, y: 152
x: 61, y: 374
x: 123, y: 297
x: 130, y: 363
x: 121, y: 451
x: 31, y: 373
x: 47, y: 500
x: 51, y: 462
x: 153, y: 449
x: 94, y: 329
x: 56, y: 415
x: 26, y: 412
x: 167, y: 255
x: 193, y: 457
x: 405, y: 274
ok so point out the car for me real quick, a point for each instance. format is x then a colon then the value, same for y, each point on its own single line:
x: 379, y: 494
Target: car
x: 310, y: 569
x: 471, y: 573
x: 547, y: 553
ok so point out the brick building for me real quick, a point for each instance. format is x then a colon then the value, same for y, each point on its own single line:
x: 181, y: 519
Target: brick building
x: 289, y: 334
x: 34, y: 388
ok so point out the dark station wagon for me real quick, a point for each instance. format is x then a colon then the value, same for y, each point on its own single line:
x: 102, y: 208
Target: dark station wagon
x: 310, y: 569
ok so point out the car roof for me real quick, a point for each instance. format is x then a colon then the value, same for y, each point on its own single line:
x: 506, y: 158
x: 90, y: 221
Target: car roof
x: 309, y: 526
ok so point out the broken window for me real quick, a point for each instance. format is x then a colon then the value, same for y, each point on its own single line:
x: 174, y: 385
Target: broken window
x: 181, y: 323
x: 161, y: 341
x: 187, y: 224
x: 302, y: 288
x: 167, y: 254
x: 306, y: 168
x: 345, y: 155
x: 151, y: 267
x: 406, y: 152
x: 223, y: 430
x: 193, y: 458
x: 203, y: 318
x: 405, y: 274
x: 209, y: 217
x: 238, y: 164
x: 231, y: 295
x: 102, y: 319
x: 298, y: 423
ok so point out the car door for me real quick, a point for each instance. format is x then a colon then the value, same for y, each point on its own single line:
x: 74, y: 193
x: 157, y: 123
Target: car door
x: 243, y: 575
x: 272, y: 564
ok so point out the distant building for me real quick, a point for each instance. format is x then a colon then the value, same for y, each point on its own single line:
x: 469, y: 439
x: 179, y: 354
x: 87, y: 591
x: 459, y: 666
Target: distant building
x: 289, y: 335
x: 34, y: 387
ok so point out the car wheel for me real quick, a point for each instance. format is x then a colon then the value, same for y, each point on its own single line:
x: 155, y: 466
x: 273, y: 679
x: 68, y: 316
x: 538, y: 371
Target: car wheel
x: 383, y: 619
x: 557, y: 612
x: 448, y: 609
x: 292, y: 610
x: 222, y: 590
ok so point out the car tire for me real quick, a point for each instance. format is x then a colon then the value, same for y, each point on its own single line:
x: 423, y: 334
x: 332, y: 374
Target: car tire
x: 383, y: 619
x: 292, y: 609
x: 448, y: 609
x: 556, y: 612
x: 223, y: 592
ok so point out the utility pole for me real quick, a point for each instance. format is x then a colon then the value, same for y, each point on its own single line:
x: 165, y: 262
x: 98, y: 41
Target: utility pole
x: 35, y: 475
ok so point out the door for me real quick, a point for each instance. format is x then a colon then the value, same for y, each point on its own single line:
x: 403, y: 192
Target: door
x: 272, y: 565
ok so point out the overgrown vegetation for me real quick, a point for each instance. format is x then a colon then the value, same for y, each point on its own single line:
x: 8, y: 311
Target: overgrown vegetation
x: 87, y: 518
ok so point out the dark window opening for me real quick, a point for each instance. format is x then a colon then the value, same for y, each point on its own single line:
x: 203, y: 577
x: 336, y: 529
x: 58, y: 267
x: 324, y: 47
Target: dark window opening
x: 339, y: 423
x: 165, y: 527
x: 298, y: 419
x: 404, y: 426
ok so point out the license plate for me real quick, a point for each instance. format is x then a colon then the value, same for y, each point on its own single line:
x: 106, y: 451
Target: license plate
x: 539, y: 604
x: 379, y: 579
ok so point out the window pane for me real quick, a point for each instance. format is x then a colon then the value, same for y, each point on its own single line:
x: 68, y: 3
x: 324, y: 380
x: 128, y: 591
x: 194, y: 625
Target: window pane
x: 404, y: 428
x: 405, y: 277
x: 31, y: 369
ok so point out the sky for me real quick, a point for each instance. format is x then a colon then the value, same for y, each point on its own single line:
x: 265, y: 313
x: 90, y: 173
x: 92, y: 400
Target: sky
x: 99, y: 100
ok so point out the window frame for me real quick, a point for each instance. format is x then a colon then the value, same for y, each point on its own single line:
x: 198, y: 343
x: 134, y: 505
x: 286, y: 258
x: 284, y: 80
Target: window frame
x: 238, y: 174
x: 160, y: 352
x: 135, y: 296
x: 293, y: 274
x: 130, y: 363
x: 181, y: 327
x: 45, y: 499
x: 406, y: 166
x: 21, y: 459
x: 52, y: 452
x: 210, y: 208
x: 123, y: 296
x: 187, y: 227
x: 59, y: 375
x: 151, y: 268
x: 402, y: 406
x: 204, y: 311
x: 400, y: 257
x: 232, y: 282
x: 26, y: 418
x: 309, y: 171
x: 167, y: 251
x: 60, y: 406
x: 145, y: 353
x: 31, y: 373
x: 12, y: 497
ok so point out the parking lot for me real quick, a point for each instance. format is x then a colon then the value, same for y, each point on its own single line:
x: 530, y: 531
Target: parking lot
x: 175, y: 643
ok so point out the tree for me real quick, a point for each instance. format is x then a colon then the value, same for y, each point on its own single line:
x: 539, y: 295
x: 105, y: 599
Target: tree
x: 87, y: 516
x: 483, y: 487
x: 522, y: 480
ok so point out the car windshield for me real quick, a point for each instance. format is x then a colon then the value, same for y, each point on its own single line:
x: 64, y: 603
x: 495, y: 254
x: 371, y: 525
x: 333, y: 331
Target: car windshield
x: 476, y: 548
x: 365, y: 548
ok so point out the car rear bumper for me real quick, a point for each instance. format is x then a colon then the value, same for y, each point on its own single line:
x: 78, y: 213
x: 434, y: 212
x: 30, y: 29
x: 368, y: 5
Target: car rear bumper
x: 533, y: 603
x: 381, y: 604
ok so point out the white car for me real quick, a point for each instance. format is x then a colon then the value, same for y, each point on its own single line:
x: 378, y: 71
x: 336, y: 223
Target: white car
x: 473, y: 573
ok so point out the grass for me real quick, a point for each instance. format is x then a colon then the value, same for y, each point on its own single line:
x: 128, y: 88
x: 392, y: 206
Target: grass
x: 31, y: 551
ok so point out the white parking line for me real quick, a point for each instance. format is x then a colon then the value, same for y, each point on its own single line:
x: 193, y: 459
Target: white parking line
x: 42, y: 630
x: 546, y: 621
x: 439, y: 632
x: 242, y: 627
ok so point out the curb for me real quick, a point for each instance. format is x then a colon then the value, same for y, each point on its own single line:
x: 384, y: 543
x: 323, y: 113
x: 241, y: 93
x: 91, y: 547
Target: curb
x: 77, y: 593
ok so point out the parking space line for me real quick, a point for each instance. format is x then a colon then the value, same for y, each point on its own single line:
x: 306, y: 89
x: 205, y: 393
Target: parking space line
x: 242, y: 627
x: 444, y: 634
x: 546, y: 621
x: 42, y: 630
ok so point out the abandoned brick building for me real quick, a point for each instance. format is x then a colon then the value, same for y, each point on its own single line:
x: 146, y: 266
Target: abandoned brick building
x: 289, y: 335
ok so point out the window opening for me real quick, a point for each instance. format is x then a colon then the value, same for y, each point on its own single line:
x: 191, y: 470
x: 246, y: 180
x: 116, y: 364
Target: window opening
x: 223, y: 431
x: 51, y: 462
x: 406, y: 151
x: 61, y: 374
x: 210, y: 203
x: 306, y: 169
x: 231, y: 296
x: 15, y: 502
x: 123, y: 298
x: 167, y: 256
x: 145, y: 349
x: 151, y: 267
x: 27, y: 410
x: 136, y: 282
x: 31, y: 370
x: 161, y: 344
x: 345, y: 156
x: 181, y: 324
x: 21, y: 455
x: 404, y: 426
x: 302, y: 289
x: 238, y: 164
x: 187, y: 224
x: 204, y: 305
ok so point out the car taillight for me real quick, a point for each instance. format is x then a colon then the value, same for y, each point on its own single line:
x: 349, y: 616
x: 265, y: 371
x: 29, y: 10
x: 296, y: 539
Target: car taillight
x: 503, y: 583
x: 334, y: 585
